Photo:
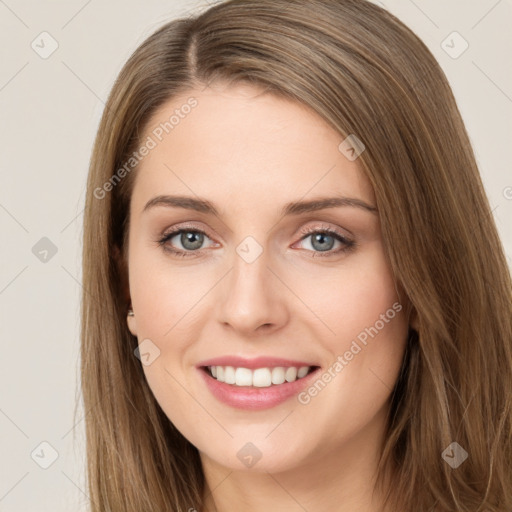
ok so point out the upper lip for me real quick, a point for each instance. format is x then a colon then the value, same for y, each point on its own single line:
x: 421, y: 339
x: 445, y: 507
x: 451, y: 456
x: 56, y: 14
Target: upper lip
x: 257, y: 362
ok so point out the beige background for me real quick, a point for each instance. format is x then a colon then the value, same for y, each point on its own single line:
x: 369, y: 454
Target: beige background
x: 50, y: 109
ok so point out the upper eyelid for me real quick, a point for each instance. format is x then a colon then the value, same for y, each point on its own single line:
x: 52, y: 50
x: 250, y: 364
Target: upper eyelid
x: 191, y: 227
x: 179, y: 228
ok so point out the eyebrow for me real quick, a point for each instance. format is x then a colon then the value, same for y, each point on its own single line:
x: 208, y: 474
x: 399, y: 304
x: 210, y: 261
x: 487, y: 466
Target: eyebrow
x: 293, y: 208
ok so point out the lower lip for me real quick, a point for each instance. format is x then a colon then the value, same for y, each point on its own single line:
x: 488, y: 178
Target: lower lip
x: 253, y: 398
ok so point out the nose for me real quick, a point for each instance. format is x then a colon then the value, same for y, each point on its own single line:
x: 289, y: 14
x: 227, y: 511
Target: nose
x: 252, y: 298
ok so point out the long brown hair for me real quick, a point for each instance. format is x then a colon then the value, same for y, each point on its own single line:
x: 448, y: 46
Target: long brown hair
x: 365, y: 73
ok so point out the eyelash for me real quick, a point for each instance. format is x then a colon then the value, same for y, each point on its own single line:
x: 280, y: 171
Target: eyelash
x: 348, y: 244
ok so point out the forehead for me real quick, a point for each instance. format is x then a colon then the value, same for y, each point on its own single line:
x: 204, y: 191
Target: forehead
x: 251, y: 146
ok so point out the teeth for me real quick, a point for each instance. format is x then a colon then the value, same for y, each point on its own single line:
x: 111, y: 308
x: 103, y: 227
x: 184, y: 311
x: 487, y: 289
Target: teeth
x: 243, y: 377
x: 302, y: 372
x: 229, y: 375
x: 260, y: 377
x: 291, y: 374
x: 278, y: 375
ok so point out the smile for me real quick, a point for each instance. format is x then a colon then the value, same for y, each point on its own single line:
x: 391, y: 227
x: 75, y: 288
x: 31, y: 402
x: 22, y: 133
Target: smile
x: 259, y: 377
x: 259, y: 388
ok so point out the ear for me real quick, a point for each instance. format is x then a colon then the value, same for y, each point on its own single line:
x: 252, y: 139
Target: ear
x: 409, y: 310
x: 124, y: 287
x: 413, y: 320
x: 132, y: 324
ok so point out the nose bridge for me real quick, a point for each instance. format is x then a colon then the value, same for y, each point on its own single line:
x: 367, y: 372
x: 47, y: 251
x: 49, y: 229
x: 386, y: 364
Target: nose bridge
x: 251, y: 295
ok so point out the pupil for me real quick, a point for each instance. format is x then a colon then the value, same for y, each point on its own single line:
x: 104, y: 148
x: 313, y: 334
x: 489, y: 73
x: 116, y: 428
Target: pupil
x: 320, y: 237
x: 191, y: 240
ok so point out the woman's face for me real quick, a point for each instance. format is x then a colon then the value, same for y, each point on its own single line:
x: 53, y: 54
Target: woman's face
x: 254, y: 277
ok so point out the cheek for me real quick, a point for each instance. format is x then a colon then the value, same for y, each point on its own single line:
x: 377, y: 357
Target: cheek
x: 371, y: 335
x: 163, y: 295
x: 351, y: 297
x: 163, y: 298
x: 170, y: 303
x: 364, y: 328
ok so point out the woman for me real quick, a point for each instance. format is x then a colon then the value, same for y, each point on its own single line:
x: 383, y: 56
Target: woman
x: 295, y: 294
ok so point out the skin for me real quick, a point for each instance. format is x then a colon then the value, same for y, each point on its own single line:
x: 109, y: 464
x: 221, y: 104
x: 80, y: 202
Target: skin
x: 249, y: 154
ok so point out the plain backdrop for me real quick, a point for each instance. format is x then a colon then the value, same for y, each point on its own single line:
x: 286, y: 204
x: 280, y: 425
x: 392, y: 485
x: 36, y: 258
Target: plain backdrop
x: 50, y: 106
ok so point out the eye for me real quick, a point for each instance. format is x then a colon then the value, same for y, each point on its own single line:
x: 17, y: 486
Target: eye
x: 322, y: 240
x: 190, y: 239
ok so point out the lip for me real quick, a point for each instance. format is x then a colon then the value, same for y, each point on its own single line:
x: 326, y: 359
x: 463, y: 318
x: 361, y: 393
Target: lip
x: 252, y: 364
x: 253, y: 398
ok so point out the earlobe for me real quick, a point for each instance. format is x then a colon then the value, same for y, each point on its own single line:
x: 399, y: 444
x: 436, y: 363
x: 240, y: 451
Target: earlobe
x: 130, y: 320
x: 410, y: 311
x: 124, y: 288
